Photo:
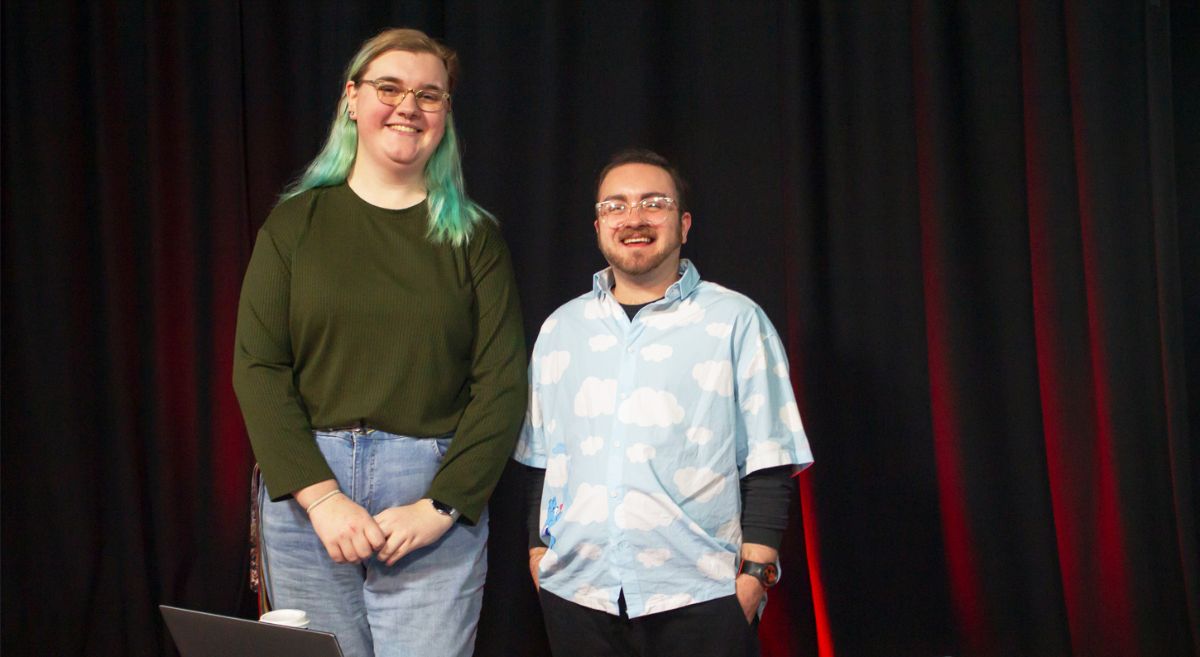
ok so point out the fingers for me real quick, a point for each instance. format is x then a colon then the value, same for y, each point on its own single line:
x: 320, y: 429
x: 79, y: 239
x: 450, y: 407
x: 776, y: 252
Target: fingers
x: 401, y: 550
x: 346, y: 549
x: 362, y: 548
x: 397, y: 535
x: 409, y: 527
x: 395, y: 541
x: 335, y: 552
x: 347, y: 531
x: 749, y: 595
x: 535, y: 560
x: 374, y: 534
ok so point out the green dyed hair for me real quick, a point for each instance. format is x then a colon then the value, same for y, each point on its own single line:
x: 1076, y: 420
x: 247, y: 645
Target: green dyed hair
x: 452, y: 215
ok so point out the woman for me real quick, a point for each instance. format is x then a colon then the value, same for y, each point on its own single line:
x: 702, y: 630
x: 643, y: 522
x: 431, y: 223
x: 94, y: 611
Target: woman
x: 380, y: 367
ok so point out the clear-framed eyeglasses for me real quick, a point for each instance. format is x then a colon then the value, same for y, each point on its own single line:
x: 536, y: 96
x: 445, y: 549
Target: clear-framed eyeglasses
x: 653, y: 210
x: 428, y: 100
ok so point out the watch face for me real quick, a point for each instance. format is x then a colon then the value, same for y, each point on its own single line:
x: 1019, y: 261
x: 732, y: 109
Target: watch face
x: 767, y: 573
x: 770, y: 574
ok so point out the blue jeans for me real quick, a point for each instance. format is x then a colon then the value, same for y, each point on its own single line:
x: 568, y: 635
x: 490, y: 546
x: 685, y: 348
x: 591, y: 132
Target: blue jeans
x: 427, y: 604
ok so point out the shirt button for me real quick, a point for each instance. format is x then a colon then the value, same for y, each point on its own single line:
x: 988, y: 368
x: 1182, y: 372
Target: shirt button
x: 629, y: 350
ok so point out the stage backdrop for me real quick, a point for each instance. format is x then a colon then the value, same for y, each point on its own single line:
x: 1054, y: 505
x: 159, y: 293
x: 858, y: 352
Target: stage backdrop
x: 975, y: 225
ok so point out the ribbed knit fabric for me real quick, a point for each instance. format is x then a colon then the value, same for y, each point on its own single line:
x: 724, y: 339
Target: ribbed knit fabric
x: 350, y: 313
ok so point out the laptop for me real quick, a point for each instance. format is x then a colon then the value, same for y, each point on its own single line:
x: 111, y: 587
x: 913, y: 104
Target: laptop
x: 200, y: 634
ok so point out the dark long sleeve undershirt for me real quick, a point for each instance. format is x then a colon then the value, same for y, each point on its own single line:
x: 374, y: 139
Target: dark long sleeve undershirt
x: 766, y: 497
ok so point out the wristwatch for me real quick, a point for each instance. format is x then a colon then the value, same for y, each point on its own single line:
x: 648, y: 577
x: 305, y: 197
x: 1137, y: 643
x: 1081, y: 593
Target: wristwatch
x: 767, y: 573
x: 446, y: 510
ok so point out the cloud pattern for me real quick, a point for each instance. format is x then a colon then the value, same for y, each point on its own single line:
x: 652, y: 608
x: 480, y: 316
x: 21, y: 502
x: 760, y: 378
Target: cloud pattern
x: 714, y: 376
x: 653, y: 557
x: 753, y: 403
x: 716, y: 565
x: 699, y: 435
x: 556, y: 470
x: 601, y: 342
x: 656, y: 353
x: 701, y: 483
x: 719, y: 329
x: 646, y: 407
x: 589, y: 506
x: 640, y: 452
x: 661, y: 399
x: 590, y: 445
x: 641, y: 511
x: 552, y: 365
x: 596, y: 397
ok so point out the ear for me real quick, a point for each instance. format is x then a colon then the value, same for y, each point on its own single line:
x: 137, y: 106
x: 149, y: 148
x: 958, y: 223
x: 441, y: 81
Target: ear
x: 596, y: 225
x: 351, y: 94
x: 685, y: 224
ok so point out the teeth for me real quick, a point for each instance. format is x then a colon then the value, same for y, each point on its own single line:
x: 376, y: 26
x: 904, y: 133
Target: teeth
x: 637, y: 240
x: 402, y: 128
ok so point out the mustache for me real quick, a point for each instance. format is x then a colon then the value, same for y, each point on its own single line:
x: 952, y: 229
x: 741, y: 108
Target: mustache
x: 635, y: 232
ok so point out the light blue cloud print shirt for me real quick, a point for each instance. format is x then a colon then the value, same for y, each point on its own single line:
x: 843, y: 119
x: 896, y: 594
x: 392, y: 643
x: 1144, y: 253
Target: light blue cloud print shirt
x: 644, y: 428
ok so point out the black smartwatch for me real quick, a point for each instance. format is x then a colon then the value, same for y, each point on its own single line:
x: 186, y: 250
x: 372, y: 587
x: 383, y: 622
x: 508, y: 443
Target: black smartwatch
x: 446, y: 510
x: 767, y: 573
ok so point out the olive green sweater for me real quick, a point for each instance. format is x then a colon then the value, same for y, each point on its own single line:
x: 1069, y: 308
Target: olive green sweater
x: 349, y: 312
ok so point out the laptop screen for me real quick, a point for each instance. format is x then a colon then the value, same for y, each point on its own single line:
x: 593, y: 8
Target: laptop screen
x: 200, y: 634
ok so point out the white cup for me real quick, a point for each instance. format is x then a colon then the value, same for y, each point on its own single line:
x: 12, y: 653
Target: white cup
x: 288, y: 617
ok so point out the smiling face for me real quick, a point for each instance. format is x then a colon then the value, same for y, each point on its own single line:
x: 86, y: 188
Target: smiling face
x: 638, y: 250
x: 397, y: 139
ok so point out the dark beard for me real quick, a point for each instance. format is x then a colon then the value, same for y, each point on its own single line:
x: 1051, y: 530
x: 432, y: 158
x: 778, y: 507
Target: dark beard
x: 632, y: 264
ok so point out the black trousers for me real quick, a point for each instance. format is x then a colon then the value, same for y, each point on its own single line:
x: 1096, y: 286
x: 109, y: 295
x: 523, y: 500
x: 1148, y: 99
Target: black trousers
x: 716, y: 628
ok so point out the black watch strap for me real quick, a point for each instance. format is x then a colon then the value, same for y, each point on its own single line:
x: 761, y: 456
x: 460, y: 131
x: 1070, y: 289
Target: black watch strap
x: 446, y: 510
x: 766, y: 573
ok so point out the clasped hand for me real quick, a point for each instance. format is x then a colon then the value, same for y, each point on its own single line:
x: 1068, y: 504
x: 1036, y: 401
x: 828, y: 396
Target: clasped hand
x: 351, y: 535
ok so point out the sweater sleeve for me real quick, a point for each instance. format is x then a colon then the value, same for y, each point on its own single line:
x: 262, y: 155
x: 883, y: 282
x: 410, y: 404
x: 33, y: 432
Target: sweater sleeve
x: 263, y: 378
x: 487, y: 431
x: 766, y: 497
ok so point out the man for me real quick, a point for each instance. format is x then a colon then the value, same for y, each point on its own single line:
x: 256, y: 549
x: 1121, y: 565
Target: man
x: 661, y: 437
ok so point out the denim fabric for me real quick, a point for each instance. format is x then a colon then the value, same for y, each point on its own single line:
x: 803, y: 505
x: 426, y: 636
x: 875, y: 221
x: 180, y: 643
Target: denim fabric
x: 427, y: 604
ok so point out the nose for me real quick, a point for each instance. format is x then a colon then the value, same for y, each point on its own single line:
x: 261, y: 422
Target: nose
x: 408, y: 103
x: 632, y: 219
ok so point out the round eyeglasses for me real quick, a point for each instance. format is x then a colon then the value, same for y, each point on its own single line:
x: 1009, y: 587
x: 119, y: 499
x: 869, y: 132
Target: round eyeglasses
x: 428, y: 100
x: 652, y: 210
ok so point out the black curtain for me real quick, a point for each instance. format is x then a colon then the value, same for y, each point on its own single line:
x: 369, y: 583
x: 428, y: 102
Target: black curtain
x: 976, y: 225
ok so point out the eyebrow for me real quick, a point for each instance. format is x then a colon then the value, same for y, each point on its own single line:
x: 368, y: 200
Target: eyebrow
x: 621, y: 197
x: 389, y: 78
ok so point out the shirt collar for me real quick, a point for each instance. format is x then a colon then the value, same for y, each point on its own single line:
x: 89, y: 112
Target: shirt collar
x: 689, y: 278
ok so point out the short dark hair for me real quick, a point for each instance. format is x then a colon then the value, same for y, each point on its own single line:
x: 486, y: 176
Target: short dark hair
x: 646, y: 156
